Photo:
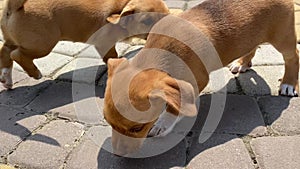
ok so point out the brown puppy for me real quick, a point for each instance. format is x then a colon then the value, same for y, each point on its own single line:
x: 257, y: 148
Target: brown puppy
x: 31, y: 28
x: 155, y: 78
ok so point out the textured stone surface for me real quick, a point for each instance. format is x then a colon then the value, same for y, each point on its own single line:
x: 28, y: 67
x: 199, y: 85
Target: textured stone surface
x: 89, y: 52
x: 15, y: 125
x: 277, y: 152
x: 193, y: 3
x: 220, y: 151
x: 282, y: 113
x: 71, y: 100
x: 267, y: 55
x: 49, y: 64
x: 241, y: 115
x: 220, y: 79
x: 176, y: 4
x: 49, y: 147
x: 96, y: 143
x: 84, y: 70
x: 69, y: 48
x: 261, y: 80
x: 24, y: 92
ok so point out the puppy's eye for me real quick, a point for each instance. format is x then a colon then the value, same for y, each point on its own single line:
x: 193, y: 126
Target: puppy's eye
x: 147, y: 21
x: 136, y: 129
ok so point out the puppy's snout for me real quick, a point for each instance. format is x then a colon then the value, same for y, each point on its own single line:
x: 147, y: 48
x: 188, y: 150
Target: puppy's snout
x: 124, y: 145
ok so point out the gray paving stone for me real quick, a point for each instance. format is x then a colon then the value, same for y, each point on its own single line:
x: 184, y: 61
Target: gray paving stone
x: 69, y: 48
x: 15, y: 125
x: 220, y: 151
x: 71, y: 100
x: 193, y: 3
x: 220, y: 79
x: 23, y: 92
x: 91, y: 145
x: 49, y: 147
x: 49, y: 64
x: 176, y: 4
x: 261, y: 80
x: 84, y: 70
x: 277, y: 152
x: 97, y: 138
x: 89, y: 52
x: 282, y: 113
x: 267, y: 55
x: 241, y: 115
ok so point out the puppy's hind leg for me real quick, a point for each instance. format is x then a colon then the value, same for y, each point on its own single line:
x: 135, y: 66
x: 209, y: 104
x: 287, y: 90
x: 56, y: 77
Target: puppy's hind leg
x: 242, y: 64
x: 289, y: 84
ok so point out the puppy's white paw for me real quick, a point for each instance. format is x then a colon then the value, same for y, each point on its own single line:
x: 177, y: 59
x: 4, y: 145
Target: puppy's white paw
x: 236, y: 67
x: 164, y: 125
x: 287, y: 90
x: 6, y: 77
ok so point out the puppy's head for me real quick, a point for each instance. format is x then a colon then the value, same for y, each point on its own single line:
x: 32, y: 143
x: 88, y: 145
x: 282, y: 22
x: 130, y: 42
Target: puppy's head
x: 132, y: 109
x: 138, y: 16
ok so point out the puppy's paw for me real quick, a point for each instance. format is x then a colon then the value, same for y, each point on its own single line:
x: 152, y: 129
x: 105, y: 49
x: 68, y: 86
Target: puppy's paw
x: 164, y: 125
x: 37, y: 75
x: 6, y: 78
x: 237, y: 67
x: 287, y: 90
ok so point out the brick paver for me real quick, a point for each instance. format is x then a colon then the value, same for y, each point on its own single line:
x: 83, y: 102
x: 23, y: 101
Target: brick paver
x: 221, y: 151
x: 277, y: 152
x: 282, y: 113
x: 49, y: 147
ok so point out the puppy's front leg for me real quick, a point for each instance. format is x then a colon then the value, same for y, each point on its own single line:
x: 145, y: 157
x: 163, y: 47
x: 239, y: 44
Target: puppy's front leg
x: 165, y: 124
x: 26, y: 62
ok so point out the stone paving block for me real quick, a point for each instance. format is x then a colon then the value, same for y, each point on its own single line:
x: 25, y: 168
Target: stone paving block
x: 241, y: 116
x: 220, y: 151
x: 84, y: 70
x: 176, y: 4
x: 96, y: 143
x: 91, y: 145
x: 277, y: 152
x: 49, y: 64
x: 23, y: 92
x: 89, y: 52
x: 49, y: 147
x: 220, y: 79
x: 267, y: 55
x: 15, y: 125
x: 99, y: 137
x: 69, y: 48
x: 282, y: 113
x: 193, y: 3
x: 71, y: 100
x: 261, y: 80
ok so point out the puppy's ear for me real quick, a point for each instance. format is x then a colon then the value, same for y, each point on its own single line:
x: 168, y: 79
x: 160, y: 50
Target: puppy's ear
x: 112, y: 64
x: 127, y: 10
x: 179, y: 96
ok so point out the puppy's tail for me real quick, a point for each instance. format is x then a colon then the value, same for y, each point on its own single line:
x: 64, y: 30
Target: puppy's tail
x: 15, y: 5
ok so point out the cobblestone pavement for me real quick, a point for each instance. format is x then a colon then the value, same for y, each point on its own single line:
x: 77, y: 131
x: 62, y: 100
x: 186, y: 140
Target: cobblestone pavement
x: 42, y: 127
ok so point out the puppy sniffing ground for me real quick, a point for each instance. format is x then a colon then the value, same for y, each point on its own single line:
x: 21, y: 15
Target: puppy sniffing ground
x: 233, y: 27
